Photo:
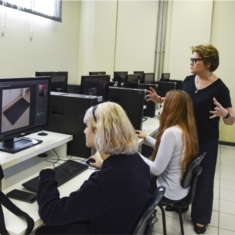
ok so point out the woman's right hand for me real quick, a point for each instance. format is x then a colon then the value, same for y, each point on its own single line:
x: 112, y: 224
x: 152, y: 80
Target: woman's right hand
x: 153, y: 96
x: 98, y: 160
x: 141, y: 134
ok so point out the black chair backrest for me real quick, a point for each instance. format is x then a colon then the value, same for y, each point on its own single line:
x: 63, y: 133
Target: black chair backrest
x: 190, y: 171
x: 142, y: 223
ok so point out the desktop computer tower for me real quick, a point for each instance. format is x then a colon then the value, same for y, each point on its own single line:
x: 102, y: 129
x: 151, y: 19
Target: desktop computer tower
x: 66, y: 116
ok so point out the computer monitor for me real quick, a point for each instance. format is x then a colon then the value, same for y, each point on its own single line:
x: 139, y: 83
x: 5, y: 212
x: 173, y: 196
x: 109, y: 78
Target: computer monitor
x: 97, y: 73
x: 119, y: 77
x: 24, y: 110
x: 149, y: 78
x: 178, y: 83
x: 141, y: 75
x: 164, y: 87
x: 132, y: 80
x: 165, y: 77
x: 97, y: 85
x: 150, y: 108
x: 132, y: 101
x: 59, y: 80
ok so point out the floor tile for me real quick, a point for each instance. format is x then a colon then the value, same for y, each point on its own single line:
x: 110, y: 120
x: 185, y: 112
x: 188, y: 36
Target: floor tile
x: 226, y: 232
x: 227, y: 207
x: 227, y: 221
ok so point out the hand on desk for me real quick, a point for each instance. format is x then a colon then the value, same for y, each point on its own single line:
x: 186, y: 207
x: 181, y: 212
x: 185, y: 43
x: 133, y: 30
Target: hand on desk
x: 98, y: 161
x: 141, y: 134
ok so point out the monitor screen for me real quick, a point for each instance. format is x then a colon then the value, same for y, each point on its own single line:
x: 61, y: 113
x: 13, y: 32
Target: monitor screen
x: 24, y: 110
x: 141, y: 75
x: 59, y: 80
x: 97, y: 85
x: 132, y: 101
x: 165, y: 77
x: 119, y: 77
x: 149, y: 78
x: 164, y: 87
x: 97, y: 73
x: 132, y: 80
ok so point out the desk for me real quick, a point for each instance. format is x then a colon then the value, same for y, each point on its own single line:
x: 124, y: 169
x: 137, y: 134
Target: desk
x: 11, y: 162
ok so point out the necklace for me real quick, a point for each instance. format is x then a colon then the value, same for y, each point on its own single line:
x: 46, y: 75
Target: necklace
x: 201, y: 85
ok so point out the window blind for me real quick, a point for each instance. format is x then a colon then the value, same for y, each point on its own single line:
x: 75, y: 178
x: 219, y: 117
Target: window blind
x: 51, y: 9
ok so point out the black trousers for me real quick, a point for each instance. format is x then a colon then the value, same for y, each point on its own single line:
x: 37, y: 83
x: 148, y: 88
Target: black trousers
x: 75, y: 228
x: 203, y: 201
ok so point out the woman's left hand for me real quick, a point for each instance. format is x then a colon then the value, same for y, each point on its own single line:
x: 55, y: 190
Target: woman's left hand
x: 219, y: 110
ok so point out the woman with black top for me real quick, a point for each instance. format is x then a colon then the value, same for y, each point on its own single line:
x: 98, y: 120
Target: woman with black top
x: 211, y: 101
x: 113, y: 198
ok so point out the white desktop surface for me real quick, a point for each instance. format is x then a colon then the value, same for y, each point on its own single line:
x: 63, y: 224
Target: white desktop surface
x: 16, y: 225
x: 52, y: 140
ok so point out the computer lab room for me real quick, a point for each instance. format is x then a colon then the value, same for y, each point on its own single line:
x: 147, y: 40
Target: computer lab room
x: 58, y: 59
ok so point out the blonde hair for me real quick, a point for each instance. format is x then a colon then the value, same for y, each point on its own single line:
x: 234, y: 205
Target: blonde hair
x: 178, y: 110
x: 114, y: 131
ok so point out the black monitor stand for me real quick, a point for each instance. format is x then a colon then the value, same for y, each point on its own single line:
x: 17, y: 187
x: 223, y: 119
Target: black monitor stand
x: 18, y: 144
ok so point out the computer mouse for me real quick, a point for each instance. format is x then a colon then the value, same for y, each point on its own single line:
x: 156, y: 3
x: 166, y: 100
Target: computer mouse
x: 88, y: 161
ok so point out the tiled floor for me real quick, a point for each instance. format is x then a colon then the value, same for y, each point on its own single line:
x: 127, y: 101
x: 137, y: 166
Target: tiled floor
x: 223, y: 216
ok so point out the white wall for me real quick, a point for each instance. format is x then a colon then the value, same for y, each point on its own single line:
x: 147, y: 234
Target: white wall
x: 117, y: 36
x: 111, y: 35
x: 223, y: 37
x: 189, y: 24
x: 54, y: 45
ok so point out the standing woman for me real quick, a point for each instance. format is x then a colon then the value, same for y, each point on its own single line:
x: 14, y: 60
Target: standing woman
x: 211, y: 100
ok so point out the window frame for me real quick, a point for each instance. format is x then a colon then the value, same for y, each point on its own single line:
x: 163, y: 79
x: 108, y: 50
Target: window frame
x: 31, y: 11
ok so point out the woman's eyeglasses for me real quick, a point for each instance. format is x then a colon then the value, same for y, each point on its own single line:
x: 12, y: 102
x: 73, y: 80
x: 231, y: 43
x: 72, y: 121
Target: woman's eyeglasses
x: 194, y: 60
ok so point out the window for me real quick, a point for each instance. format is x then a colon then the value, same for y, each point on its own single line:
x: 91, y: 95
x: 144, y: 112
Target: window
x: 51, y: 9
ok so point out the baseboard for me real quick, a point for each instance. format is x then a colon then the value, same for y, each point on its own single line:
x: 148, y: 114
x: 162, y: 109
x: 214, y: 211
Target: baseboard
x: 227, y: 143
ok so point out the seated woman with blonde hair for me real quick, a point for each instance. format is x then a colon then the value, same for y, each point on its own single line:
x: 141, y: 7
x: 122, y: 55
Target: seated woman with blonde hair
x: 113, y: 199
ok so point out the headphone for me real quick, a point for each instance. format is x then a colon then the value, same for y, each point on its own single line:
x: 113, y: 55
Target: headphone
x: 93, y: 112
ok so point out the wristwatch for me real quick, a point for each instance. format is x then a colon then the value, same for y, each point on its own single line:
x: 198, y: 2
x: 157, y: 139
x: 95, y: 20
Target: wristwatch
x: 227, y: 116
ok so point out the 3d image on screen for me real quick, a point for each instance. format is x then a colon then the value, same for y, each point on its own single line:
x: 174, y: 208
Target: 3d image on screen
x: 24, y: 106
x: 16, y: 108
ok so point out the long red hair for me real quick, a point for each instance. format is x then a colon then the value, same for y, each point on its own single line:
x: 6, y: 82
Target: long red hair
x: 178, y: 110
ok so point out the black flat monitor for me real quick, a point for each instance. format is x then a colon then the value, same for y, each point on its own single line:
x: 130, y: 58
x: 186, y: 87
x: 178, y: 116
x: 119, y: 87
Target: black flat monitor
x: 97, y: 85
x: 132, y: 81
x: 141, y: 75
x: 59, y: 80
x: 165, y: 77
x: 97, y: 73
x: 149, y: 78
x: 149, y: 110
x: 24, y: 110
x: 120, y: 77
x: 164, y: 87
x: 132, y: 101
x: 178, y: 83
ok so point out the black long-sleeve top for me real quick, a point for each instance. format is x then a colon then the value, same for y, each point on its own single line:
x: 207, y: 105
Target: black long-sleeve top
x: 111, y: 200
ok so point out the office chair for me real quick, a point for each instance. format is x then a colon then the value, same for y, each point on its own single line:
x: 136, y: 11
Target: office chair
x: 147, y: 221
x: 189, y: 180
